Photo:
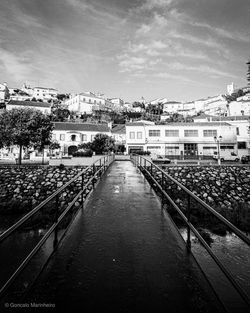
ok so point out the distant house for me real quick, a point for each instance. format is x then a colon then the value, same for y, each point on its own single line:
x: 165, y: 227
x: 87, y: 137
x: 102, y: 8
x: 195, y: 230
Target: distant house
x: 86, y: 103
x: 45, y: 93
x: 172, y: 106
x: 44, y: 107
x: 70, y: 135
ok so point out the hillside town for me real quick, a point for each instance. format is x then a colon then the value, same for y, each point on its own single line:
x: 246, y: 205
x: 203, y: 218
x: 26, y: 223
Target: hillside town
x: 173, y: 129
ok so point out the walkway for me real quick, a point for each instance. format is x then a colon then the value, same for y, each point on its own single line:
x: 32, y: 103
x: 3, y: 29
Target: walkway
x: 122, y: 254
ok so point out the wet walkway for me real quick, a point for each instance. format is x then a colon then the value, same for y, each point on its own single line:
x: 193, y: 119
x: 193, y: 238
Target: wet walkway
x: 122, y: 254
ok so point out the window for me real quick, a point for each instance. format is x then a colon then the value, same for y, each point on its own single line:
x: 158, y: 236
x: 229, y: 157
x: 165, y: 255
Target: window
x: 139, y: 135
x: 172, y: 147
x: 62, y: 137
x: 210, y: 133
x: 73, y: 137
x: 132, y: 135
x: 53, y: 136
x: 172, y: 133
x: 242, y: 145
x: 89, y: 100
x: 84, y: 137
x: 237, y: 131
x: 226, y: 147
x: 209, y: 148
x: 153, y: 147
x: 191, y: 133
x: 154, y: 133
x: 92, y: 137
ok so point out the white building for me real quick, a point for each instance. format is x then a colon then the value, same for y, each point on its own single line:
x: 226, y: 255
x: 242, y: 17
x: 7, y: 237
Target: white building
x: 2, y: 91
x: 44, y: 93
x: 172, y: 107
x: 180, y: 140
x: 44, y: 107
x: 118, y: 104
x: 235, y: 108
x: 85, y: 103
x: 231, y: 88
x: 240, y: 122
x: 70, y: 135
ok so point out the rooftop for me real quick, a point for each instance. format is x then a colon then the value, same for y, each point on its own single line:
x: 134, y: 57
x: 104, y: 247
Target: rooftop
x: 81, y: 127
x: 30, y: 104
x: 189, y: 124
x: 120, y: 129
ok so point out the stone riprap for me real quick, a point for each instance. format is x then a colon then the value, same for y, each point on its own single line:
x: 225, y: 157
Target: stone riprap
x: 22, y: 188
x: 218, y: 186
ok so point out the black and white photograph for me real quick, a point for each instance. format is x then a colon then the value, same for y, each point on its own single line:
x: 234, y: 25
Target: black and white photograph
x: 125, y: 156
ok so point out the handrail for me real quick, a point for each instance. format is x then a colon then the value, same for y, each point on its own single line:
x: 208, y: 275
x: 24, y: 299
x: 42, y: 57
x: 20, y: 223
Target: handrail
x: 20, y: 222
x: 234, y: 229
x: 190, y: 226
x: 107, y: 161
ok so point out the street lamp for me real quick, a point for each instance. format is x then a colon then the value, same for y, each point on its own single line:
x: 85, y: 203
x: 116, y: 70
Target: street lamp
x: 218, y: 140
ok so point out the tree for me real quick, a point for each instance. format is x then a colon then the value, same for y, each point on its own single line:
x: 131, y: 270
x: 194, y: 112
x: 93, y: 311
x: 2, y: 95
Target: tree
x: 60, y: 114
x: 102, y: 143
x: 248, y: 72
x: 25, y: 128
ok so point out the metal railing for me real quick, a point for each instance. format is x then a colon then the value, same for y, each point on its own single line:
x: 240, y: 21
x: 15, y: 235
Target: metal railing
x: 147, y: 167
x: 97, y: 169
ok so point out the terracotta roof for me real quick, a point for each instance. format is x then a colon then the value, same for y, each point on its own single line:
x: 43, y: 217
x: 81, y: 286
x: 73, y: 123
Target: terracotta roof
x: 120, y: 129
x: 30, y: 103
x: 82, y: 127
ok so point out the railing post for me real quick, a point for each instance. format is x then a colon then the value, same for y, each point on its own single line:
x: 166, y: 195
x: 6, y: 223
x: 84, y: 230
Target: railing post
x: 188, y: 228
x: 151, y: 169
x: 100, y: 164
x: 55, y: 242
x: 82, y: 190
x: 93, y: 180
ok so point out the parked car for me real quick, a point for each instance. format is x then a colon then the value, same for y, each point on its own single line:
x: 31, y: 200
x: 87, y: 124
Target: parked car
x: 158, y: 159
x: 245, y: 159
x: 226, y: 156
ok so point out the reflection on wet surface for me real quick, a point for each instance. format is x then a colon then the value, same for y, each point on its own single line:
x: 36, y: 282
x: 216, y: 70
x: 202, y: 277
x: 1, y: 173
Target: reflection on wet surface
x: 122, y: 254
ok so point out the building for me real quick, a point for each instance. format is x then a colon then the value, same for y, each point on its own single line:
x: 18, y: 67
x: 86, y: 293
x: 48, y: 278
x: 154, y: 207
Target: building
x: 44, y: 107
x: 70, y: 135
x: 3, y: 88
x: 44, y: 93
x: 241, y: 107
x: 242, y: 125
x: 118, y: 104
x: 180, y: 140
x: 85, y: 103
x: 172, y: 107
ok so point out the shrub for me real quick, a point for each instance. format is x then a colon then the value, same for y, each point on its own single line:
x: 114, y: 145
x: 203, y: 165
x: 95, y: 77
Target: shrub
x: 85, y: 153
x: 61, y: 166
x: 143, y: 152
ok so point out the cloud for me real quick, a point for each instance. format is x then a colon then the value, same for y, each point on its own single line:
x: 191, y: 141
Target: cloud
x: 15, y: 65
x: 149, y: 5
x: 183, y: 17
x: 199, y: 68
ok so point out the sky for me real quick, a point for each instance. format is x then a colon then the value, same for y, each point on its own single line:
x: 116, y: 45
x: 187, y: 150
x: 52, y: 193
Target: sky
x: 179, y: 49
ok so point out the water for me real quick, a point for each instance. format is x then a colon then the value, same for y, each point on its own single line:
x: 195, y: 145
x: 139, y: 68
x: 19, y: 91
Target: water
x: 233, y: 253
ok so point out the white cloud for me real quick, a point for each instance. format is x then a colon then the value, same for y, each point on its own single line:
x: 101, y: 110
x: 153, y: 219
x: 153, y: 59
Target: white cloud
x: 199, y: 68
x: 14, y: 65
x: 149, y: 5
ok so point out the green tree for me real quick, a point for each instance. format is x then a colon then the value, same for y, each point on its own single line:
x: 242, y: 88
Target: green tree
x: 25, y: 128
x: 102, y: 143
